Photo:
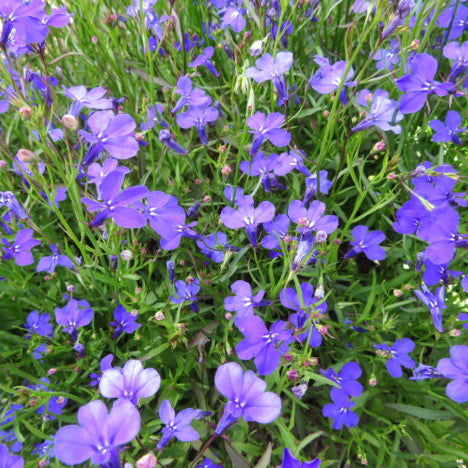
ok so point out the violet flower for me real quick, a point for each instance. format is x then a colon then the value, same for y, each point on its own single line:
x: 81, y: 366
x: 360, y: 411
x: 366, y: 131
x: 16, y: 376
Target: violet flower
x: 192, y: 97
x: 124, y: 321
x: 204, y: 59
x: 448, y: 130
x: 436, y: 274
x: 9, y: 200
x: 435, y: 302
x: 153, y: 117
x: 458, y: 53
x: 8, y: 460
x: 346, y: 379
x: 116, y: 204
x: 98, y: 435
x: 166, y: 138
x: 456, y: 369
x: 92, y: 99
x: 111, y: 133
x: 272, y: 69
x: 310, y: 219
x: 397, y: 355
x: 49, y: 263
x: 289, y: 461
x: 177, y: 425
x: 243, y: 302
x: 106, y: 363
x: 388, y: 58
x: 455, y: 18
x: 267, y: 127
x: 131, y: 382
x: 246, y: 395
x: 74, y: 315
x: 233, y: 17
x: 38, y: 324
x: 96, y: 172
x: 214, y: 246
x: 367, y: 242
x: 198, y: 117
x: 20, y: 248
x: 418, y: 84
x: 266, y: 346
x: 187, y: 292
x: 340, y: 411
x: 247, y: 216
x: 423, y: 372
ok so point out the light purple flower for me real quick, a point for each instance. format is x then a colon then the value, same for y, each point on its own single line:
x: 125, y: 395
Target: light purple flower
x: 8, y: 460
x: 246, y: 395
x: 397, y: 355
x: 267, y: 127
x: 74, y: 315
x: 198, y: 117
x: 367, y: 242
x: 20, y: 248
x: 243, y: 302
x: 310, y: 219
x: 49, y: 263
x: 92, y: 99
x: 98, y: 435
x: 340, y: 411
x: 192, y: 97
x: 456, y: 369
x: 289, y: 461
x: 205, y: 59
x: 38, y: 324
x: 124, y: 321
x: 233, y: 17
x: 131, y: 382
x: 448, y: 130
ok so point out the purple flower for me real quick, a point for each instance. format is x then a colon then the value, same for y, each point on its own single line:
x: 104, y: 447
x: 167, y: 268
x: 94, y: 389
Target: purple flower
x: 346, y: 379
x: 397, y: 355
x: 38, y: 324
x: 192, y: 97
x: 289, y: 461
x: 54, y: 405
x: 98, y: 435
x: 277, y: 231
x: 112, y: 133
x: 49, y: 263
x: 329, y: 77
x: 403, y: 9
x: 131, y: 382
x: 187, y: 292
x: 92, y: 99
x: 96, y: 173
x: 459, y: 54
x: 410, y: 216
x: 456, y: 369
x: 455, y: 18
x: 205, y: 59
x: 246, y: 395
x: 310, y: 219
x: 106, y: 363
x: 153, y: 117
x: 213, y: 246
x: 448, y: 130
x: 198, y: 117
x: 243, y: 302
x: 440, y: 231
x: 233, y: 17
x: 124, y: 322
x: 340, y: 411
x: 435, y: 274
x: 267, y: 346
x: 418, y: 84
x: 423, y: 372
x: 9, y: 200
x: 383, y: 114
x: 74, y: 315
x: 116, y: 204
x: 316, y: 182
x: 367, y: 242
x: 177, y: 425
x: 247, y: 216
x: 306, y: 319
x: 20, y: 248
x: 272, y: 69
x: 166, y: 138
x: 435, y: 302
x: 267, y: 127
x: 388, y: 58
x: 9, y: 461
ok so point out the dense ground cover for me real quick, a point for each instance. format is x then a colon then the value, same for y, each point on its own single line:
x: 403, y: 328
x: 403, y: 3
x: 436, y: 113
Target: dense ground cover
x: 233, y: 233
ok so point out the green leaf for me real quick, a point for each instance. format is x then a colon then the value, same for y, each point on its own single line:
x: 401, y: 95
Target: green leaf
x: 423, y: 413
x: 264, y: 461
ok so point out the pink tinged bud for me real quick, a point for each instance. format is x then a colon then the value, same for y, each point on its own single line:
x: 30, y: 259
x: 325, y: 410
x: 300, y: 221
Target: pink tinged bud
x: 226, y: 170
x: 113, y: 17
x: 25, y: 155
x: 190, y: 279
x: 147, y: 461
x: 126, y: 255
x: 321, y: 236
x: 198, y: 181
x: 70, y: 288
x: 159, y: 316
x: 313, y: 361
x: 228, y: 316
x: 47, y: 277
x: 206, y: 199
x: 323, y: 329
x: 139, y: 136
x: 70, y: 122
x: 379, y: 146
x: 137, y: 290
x: 455, y: 332
x: 51, y: 371
x: 288, y: 357
x: 3, y: 164
x: 391, y: 176
x: 326, y: 113
x: 94, y: 39
x: 25, y: 112
x: 372, y: 381
x: 397, y: 292
x: 120, y: 109
x: 293, y: 375
x: 134, y: 312
x: 42, y: 463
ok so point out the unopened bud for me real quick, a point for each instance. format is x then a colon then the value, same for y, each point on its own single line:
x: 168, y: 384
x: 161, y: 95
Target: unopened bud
x: 51, y: 371
x: 226, y: 170
x: 455, y: 332
x: 139, y: 136
x: 228, y: 316
x: 94, y: 39
x: 206, y: 199
x: 3, y: 164
x: 126, y: 255
x: 159, y: 315
x: 373, y: 381
x: 397, y: 292
x: 70, y: 122
x: 379, y: 146
x: 147, y: 461
x: 326, y: 114
x: 293, y: 374
x: 25, y: 112
x: 25, y: 155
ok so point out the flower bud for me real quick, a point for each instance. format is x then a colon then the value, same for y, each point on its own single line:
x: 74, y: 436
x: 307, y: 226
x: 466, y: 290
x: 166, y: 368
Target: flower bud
x: 228, y: 316
x: 159, y: 315
x: 3, y: 164
x: 51, y: 371
x: 94, y: 39
x: 147, y: 461
x: 70, y: 122
x: 226, y: 170
x: 379, y: 146
x: 25, y: 112
x: 455, y: 332
x: 292, y: 374
x: 373, y: 381
x: 25, y: 155
x: 126, y: 255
